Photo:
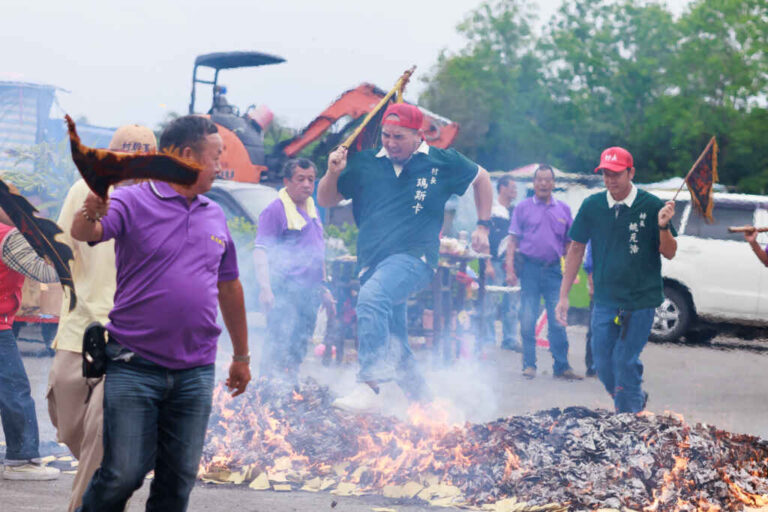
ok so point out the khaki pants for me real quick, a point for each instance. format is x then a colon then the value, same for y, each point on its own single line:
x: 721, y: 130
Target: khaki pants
x: 77, y: 417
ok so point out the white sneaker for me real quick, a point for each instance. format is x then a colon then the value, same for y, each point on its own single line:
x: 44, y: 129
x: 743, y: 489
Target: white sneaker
x: 361, y: 399
x: 30, y: 471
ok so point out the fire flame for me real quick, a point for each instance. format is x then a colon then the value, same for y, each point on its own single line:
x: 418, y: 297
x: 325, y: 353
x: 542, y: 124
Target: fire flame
x: 290, y: 439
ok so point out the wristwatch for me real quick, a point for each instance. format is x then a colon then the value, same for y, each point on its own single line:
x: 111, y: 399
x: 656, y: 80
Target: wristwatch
x: 484, y: 223
x: 664, y: 227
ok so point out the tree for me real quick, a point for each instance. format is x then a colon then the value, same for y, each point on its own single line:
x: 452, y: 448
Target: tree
x: 493, y: 86
x: 609, y: 73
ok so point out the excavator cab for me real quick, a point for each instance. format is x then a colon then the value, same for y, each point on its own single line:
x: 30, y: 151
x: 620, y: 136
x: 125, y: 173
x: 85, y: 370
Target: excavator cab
x: 243, y: 158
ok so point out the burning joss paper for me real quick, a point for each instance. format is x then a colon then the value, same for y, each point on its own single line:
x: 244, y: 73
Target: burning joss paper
x: 573, y: 458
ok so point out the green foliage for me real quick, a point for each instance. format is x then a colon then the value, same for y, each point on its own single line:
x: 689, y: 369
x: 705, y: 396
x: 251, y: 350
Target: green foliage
x: 347, y: 233
x: 243, y: 232
x: 604, y: 73
x: 52, y: 174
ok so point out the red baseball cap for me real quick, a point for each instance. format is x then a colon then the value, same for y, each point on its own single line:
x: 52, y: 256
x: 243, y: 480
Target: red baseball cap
x: 408, y: 116
x: 615, y: 159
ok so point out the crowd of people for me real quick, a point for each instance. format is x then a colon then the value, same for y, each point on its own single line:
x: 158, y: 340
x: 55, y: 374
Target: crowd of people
x: 155, y: 262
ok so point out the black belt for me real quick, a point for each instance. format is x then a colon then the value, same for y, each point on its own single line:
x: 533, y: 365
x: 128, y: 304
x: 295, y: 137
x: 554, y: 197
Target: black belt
x: 541, y: 262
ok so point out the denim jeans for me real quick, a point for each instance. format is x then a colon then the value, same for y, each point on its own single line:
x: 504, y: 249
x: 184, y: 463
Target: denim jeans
x: 17, y: 409
x: 154, y: 418
x: 539, y: 280
x: 384, y: 353
x: 616, y: 350
x: 589, y: 361
x: 507, y: 310
x: 290, y: 324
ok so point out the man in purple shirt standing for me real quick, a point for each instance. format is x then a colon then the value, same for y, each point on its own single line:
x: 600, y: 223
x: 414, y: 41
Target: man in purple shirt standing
x: 175, y: 261
x: 538, y: 239
x: 290, y: 269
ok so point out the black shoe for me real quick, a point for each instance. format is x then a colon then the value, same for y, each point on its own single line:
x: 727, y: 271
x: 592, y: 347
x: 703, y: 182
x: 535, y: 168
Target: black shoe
x: 591, y: 373
x: 645, y: 399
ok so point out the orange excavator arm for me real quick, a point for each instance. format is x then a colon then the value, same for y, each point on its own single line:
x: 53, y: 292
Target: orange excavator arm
x: 356, y: 103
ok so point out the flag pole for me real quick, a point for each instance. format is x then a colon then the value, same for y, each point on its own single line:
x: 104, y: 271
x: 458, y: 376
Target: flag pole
x: 397, y: 89
x: 698, y: 160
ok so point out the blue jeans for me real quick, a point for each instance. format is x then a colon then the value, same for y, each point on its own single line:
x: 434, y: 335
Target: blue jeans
x: 17, y: 409
x: 290, y: 324
x: 616, y: 350
x: 507, y: 310
x: 539, y: 280
x: 154, y: 418
x: 381, y: 319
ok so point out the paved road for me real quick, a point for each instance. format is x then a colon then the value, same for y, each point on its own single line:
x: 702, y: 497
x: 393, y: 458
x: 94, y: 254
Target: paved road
x: 723, y: 384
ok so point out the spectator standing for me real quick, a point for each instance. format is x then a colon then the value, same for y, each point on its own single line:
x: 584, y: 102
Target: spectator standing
x: 501, y: 216
x: 290, y: 269
x: 538, y: 239
x: 18, y: 260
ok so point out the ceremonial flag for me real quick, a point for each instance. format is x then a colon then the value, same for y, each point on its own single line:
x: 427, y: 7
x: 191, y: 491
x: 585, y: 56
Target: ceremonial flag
x: 41, y: 235
x: 102, y: 168
x: 368, y: 133
x: 701, y: 179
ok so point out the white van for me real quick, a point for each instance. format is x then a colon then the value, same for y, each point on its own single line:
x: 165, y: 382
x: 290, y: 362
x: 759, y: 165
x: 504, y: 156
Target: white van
x: 715, y: 276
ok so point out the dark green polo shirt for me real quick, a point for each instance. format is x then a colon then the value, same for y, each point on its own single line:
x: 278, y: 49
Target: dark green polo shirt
x: 625, y: 250
x: 403, y: 214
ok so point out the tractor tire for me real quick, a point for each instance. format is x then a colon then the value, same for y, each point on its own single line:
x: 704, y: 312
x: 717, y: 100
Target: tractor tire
x: 673, y: 317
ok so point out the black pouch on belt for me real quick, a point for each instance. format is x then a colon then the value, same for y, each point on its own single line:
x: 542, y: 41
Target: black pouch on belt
x: 625, y: 317
x: 94, y: 351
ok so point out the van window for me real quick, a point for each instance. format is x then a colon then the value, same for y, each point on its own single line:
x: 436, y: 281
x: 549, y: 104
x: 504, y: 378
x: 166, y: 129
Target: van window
x: 731, y: 214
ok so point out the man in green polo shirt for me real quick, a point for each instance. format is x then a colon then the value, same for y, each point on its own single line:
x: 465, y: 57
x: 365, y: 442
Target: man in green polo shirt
x: 399, y: 194
x: 630, y: 230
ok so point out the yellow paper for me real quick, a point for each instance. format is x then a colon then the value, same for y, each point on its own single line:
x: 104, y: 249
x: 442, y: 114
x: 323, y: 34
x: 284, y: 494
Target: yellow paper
x: 236, y: 478
x: 345, y: 489
x: 327, y: 484
x: 277, y: 477
x: 260, y: 483
x: 312, y: 485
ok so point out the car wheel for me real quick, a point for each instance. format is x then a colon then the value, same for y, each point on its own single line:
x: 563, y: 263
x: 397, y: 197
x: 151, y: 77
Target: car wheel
x: 672, y: 317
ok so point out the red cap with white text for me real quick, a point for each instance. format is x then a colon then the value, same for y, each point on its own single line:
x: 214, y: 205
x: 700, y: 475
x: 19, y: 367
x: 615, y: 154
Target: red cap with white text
x: 615, y: 159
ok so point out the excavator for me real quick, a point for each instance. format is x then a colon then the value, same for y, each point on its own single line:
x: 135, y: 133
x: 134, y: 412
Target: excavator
x: 245, y: 159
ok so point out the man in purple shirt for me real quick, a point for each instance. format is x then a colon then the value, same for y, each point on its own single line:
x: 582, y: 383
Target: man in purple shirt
x: 290, y: 269
x: 175, y: 261
x: 538, y: 239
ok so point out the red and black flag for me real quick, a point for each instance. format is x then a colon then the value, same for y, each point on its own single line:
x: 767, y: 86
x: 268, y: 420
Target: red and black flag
x: 102, y: 168
x: 701, y: 179
x: 41, y: 235
x: 367, y: 134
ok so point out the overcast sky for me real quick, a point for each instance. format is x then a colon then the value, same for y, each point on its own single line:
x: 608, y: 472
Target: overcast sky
x: 132, y: 61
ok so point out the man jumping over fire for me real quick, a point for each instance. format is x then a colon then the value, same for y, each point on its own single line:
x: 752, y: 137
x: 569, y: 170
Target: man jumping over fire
x: 399, y: 194
x: 630, y: 230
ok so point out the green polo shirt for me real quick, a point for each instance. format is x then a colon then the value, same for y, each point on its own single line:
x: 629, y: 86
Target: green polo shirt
x: 403, y: 214
x: 625, y: 250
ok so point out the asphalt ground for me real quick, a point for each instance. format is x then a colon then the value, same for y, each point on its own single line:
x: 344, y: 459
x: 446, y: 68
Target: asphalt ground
x: 722, y: 383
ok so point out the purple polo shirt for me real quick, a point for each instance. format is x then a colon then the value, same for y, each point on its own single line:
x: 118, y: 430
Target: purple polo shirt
x: 298, y: 255
x: 170, y: 256
x: 541, y: 228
